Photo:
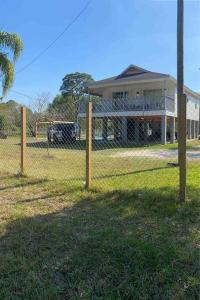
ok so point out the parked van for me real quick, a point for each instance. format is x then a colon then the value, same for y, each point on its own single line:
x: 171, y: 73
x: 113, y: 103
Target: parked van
x: 62, y: 132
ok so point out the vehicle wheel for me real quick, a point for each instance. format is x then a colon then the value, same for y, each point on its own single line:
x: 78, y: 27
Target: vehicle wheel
x: 49, y: 139
x: 55, y: 140
x: 73, y: 140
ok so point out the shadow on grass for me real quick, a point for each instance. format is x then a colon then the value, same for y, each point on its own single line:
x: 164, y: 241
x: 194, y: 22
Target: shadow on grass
x: 81, y: 145
x: 134, y: 172
x: 119, y: 174
x: 22, y: 183
x: 109, y: 245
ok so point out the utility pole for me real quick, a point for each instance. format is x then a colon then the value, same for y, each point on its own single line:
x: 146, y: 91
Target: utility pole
x: 88, y: 145
x: 181, y: 102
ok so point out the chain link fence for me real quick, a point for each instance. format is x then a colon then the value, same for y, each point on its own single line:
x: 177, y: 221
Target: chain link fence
x: 10, y: 131
x: 131, y: 149
x: 55, y: 145
x: 193, y: 143
x: 128, y: 148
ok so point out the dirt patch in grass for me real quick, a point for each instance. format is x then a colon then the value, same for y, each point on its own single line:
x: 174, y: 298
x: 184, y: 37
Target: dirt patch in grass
x: 162, y: 154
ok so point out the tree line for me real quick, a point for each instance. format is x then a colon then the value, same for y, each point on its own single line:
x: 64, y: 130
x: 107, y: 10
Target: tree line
x: 64, y: 106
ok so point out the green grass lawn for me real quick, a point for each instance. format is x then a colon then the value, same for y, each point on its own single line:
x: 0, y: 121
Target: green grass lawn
x: 61, y: 242
x: 68, y: 161
x: 128, y: 238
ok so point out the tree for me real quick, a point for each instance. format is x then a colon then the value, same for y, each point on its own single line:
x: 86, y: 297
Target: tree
x: 3, y: 122
x: 38, y: 111
x: 74, y: 83
x: 12, y: 42
x: 11, y: 110
x: 13, y: 113
x: 63, y: 107
x: 59, y: 102
x: 41, y: 104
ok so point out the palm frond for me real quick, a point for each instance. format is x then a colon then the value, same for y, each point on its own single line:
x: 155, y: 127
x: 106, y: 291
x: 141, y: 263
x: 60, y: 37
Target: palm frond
x: 7, y: 70
x: 12, y: 41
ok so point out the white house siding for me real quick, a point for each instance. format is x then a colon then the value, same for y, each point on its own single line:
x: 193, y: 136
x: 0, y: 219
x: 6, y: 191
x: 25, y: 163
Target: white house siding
x: 193, y: 106
x: 132, y: 89
x: 167, y: 87
x: 176, y: 103
x: 171, y: 88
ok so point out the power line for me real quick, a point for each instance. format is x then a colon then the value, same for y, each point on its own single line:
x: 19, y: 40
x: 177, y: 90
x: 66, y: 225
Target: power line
x: 56, y: 39
x: 21, y: 94
x: 49, y: 46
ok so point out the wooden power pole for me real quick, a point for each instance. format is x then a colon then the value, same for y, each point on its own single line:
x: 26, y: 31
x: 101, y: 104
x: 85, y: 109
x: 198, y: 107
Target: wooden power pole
x: 181, y: 102
x: 88, y: 145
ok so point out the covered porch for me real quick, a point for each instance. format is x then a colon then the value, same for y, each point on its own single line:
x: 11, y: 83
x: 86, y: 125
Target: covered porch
x: 138, y: 130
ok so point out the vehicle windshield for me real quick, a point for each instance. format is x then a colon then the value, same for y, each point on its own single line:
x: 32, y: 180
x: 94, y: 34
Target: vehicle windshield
x: 64, y: 127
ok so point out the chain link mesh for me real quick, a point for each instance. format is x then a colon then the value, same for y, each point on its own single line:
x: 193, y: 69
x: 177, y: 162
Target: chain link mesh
x: 193, y: 141
x: 127, y: 138
x: 126, y: 142
x: 10, y: 123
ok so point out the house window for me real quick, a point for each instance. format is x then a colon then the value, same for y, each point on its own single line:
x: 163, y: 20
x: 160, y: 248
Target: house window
x: 195, y: 105
x: 120, y: 95
x: 152, y: 93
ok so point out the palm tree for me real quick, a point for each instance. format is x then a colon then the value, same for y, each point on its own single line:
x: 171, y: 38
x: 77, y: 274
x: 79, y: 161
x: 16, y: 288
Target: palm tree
x: 9, y: 43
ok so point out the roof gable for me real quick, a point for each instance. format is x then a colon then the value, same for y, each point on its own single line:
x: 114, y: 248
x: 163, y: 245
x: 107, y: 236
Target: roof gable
x: 130, y: 75
x: 132, y: 70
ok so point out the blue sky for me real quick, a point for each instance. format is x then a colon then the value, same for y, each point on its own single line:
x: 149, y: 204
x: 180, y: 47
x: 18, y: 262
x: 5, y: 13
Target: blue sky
x: 109, y: 36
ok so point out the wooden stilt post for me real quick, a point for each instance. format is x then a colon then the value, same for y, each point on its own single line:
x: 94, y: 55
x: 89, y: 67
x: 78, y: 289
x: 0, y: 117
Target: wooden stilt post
x: 23, y: 138
x: 88, y: 145
x: 181, y: 102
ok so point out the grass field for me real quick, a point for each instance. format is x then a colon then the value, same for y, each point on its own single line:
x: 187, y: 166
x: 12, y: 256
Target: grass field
x: 68, y: 161
x: 128, y: 238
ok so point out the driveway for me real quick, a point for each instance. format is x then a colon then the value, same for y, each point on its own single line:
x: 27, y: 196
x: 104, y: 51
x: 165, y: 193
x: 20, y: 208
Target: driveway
x: 162, y: 154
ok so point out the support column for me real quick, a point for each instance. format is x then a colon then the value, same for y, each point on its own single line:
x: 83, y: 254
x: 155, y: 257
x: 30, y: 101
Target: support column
x: 172, y: 129
x: 187, y: 136
x: 163, y: 130
x: 189, y: 129
x: 193, y: 129
x: 145, y: 132
x: 137, y: 132
x: 198, y: 129
x: 116, y: 127
x: 124, y: 129
x: 105, y: 129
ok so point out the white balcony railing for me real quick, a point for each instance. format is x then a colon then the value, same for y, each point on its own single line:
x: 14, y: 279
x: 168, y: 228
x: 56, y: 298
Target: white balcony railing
x: 136, y: 104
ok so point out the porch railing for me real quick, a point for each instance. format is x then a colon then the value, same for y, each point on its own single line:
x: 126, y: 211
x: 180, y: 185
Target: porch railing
x: 134, y: 104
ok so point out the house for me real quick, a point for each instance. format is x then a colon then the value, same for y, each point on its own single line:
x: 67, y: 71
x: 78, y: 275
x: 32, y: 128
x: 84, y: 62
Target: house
x: 142, y: 106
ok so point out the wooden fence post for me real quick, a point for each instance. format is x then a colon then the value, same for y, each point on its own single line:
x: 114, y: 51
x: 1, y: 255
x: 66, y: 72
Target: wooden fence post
x: 88, y: 145
x: 23, y: 138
